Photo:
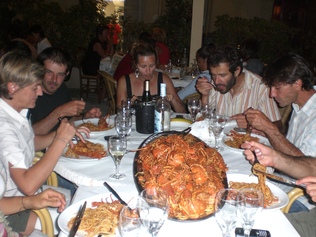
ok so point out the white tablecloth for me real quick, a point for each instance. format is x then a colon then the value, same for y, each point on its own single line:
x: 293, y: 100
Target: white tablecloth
x: 90, y: 176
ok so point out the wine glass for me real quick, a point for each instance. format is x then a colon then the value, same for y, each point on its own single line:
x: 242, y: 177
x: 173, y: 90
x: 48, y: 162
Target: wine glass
x: 194, y: 107
x: 216, y: 125
x: 226, y: 205
x: 251, y: 203
x: 157, y: 200
x: 117, y: 148
x: 123, y: 125
x: 130, y: 222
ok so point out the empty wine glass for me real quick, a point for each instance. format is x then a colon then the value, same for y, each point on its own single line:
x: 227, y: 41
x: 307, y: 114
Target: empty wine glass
x: 123, y: 125
x: 194, y: 107
x: 117, y: 148
x: 130, y: 222
x: 216, y: 125
x: 251, y: 203
x: 226, y: 205
x: 157, y: 200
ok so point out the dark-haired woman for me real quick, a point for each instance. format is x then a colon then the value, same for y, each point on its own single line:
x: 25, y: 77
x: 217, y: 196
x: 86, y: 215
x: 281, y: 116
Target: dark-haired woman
x: 100, y: 47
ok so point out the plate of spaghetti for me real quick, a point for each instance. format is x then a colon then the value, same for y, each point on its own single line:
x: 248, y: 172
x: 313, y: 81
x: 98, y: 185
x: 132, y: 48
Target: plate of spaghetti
x: 101, y: 216
x: 274, y: 197
x: 97, y: 126
x: 234, y: 140
x: 90, y: 150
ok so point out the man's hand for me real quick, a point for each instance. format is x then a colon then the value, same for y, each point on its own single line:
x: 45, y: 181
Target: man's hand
x: 93, y: 113
x: 257, y: 119
x: 203, y: 86
x: 240, y: 120
x: 72, y: 108
x: 265, y: 155
x: 310, y: 183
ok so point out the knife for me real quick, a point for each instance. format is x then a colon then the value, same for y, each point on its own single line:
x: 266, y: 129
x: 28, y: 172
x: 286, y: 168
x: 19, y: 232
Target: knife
x: 114, y: 193
x: 281, y: 179
x: 77, y: 221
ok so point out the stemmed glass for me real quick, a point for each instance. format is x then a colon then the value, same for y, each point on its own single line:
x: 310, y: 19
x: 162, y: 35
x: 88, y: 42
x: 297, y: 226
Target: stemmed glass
x: 194, y: 107
x: 130, y: 222
x: 123, y: 125
x: 157, y: 200
x: 251, y: 203
x: 226, y: 205
x: 117, y: 148
x: 216, y: 125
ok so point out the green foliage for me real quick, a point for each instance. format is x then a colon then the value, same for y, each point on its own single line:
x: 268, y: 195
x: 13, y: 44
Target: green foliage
x: 176, y: 21
x: 274, y: 37
x: 67, y: 29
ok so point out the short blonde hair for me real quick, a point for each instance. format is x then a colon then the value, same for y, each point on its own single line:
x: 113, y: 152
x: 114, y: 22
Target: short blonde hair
x: 19, y: 69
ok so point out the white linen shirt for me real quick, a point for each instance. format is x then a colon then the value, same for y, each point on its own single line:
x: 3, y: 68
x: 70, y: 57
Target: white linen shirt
x: 16, y: 144
x: 254, y: 93
x: 302, y: 127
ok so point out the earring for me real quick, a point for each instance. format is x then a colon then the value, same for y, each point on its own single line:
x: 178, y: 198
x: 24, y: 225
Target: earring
x: 136, y: 73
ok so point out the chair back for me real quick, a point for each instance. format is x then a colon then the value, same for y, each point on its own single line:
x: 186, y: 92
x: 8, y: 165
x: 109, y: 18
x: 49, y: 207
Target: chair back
x: 110, y: 86
x: 46, y: 221
x: 294, y: 194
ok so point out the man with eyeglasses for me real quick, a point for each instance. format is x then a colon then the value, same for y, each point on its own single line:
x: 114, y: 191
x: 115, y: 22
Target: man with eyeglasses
x: 56, y: 101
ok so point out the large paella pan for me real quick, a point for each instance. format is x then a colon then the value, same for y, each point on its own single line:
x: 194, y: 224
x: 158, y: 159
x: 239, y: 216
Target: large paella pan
x: 183, y: 165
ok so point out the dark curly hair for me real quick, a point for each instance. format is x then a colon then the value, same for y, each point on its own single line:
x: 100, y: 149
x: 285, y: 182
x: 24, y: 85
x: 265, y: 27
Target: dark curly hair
x: 288, y: 69
x: 225, y: 54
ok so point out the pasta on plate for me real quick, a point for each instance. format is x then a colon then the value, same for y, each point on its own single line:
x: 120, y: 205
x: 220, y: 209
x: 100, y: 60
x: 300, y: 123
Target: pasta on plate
x: 235, y: 139
x: 269, y: 198
x: 102, y: 217
x: 87, y: 149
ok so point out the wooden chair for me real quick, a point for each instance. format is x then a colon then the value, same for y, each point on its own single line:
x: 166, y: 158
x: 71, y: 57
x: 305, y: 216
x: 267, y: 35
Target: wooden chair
x: 110, y: 86
x: 89, y: 84
x: 46, y: 221
x: 294, y: 194
x: 43, y: 214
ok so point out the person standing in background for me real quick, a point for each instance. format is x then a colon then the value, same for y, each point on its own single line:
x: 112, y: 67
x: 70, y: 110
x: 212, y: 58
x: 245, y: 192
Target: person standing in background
x: 39, y: 37
x: 159, y: 35
x: 115, y: 32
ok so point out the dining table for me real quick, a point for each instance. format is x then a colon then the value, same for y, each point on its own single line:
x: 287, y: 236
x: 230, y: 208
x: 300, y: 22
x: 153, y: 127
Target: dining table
x: 90, y: 176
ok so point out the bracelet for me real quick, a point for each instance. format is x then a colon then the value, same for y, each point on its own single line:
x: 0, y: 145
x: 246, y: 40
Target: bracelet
x: 23, y: 202
x: 56, y: 138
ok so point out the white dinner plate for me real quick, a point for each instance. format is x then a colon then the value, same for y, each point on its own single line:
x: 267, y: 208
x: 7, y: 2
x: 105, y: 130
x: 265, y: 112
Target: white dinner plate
x: 109, y: 120
x: 282, y: 196
x: 179, y: 124
x: 72, y: 210
x: 262, y: 140
x: 84, y: 158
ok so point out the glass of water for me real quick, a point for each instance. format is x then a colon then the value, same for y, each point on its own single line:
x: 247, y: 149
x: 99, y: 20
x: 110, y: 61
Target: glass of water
x: 123, y: 125
x: 216, y: 125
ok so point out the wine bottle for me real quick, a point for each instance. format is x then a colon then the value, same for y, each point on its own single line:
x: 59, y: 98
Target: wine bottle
x: 146, y: 94
x: 162, y: 111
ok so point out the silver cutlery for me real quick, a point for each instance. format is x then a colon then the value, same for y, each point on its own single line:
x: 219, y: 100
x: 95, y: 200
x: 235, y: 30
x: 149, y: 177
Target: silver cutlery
x: 281, y: 179
x: 77, y: 221
x: 115, y: 193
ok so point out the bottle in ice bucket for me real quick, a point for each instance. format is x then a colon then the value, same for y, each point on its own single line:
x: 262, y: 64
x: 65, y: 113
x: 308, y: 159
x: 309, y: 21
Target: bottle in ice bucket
x: 145, y: 111
x: 162, y: 111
